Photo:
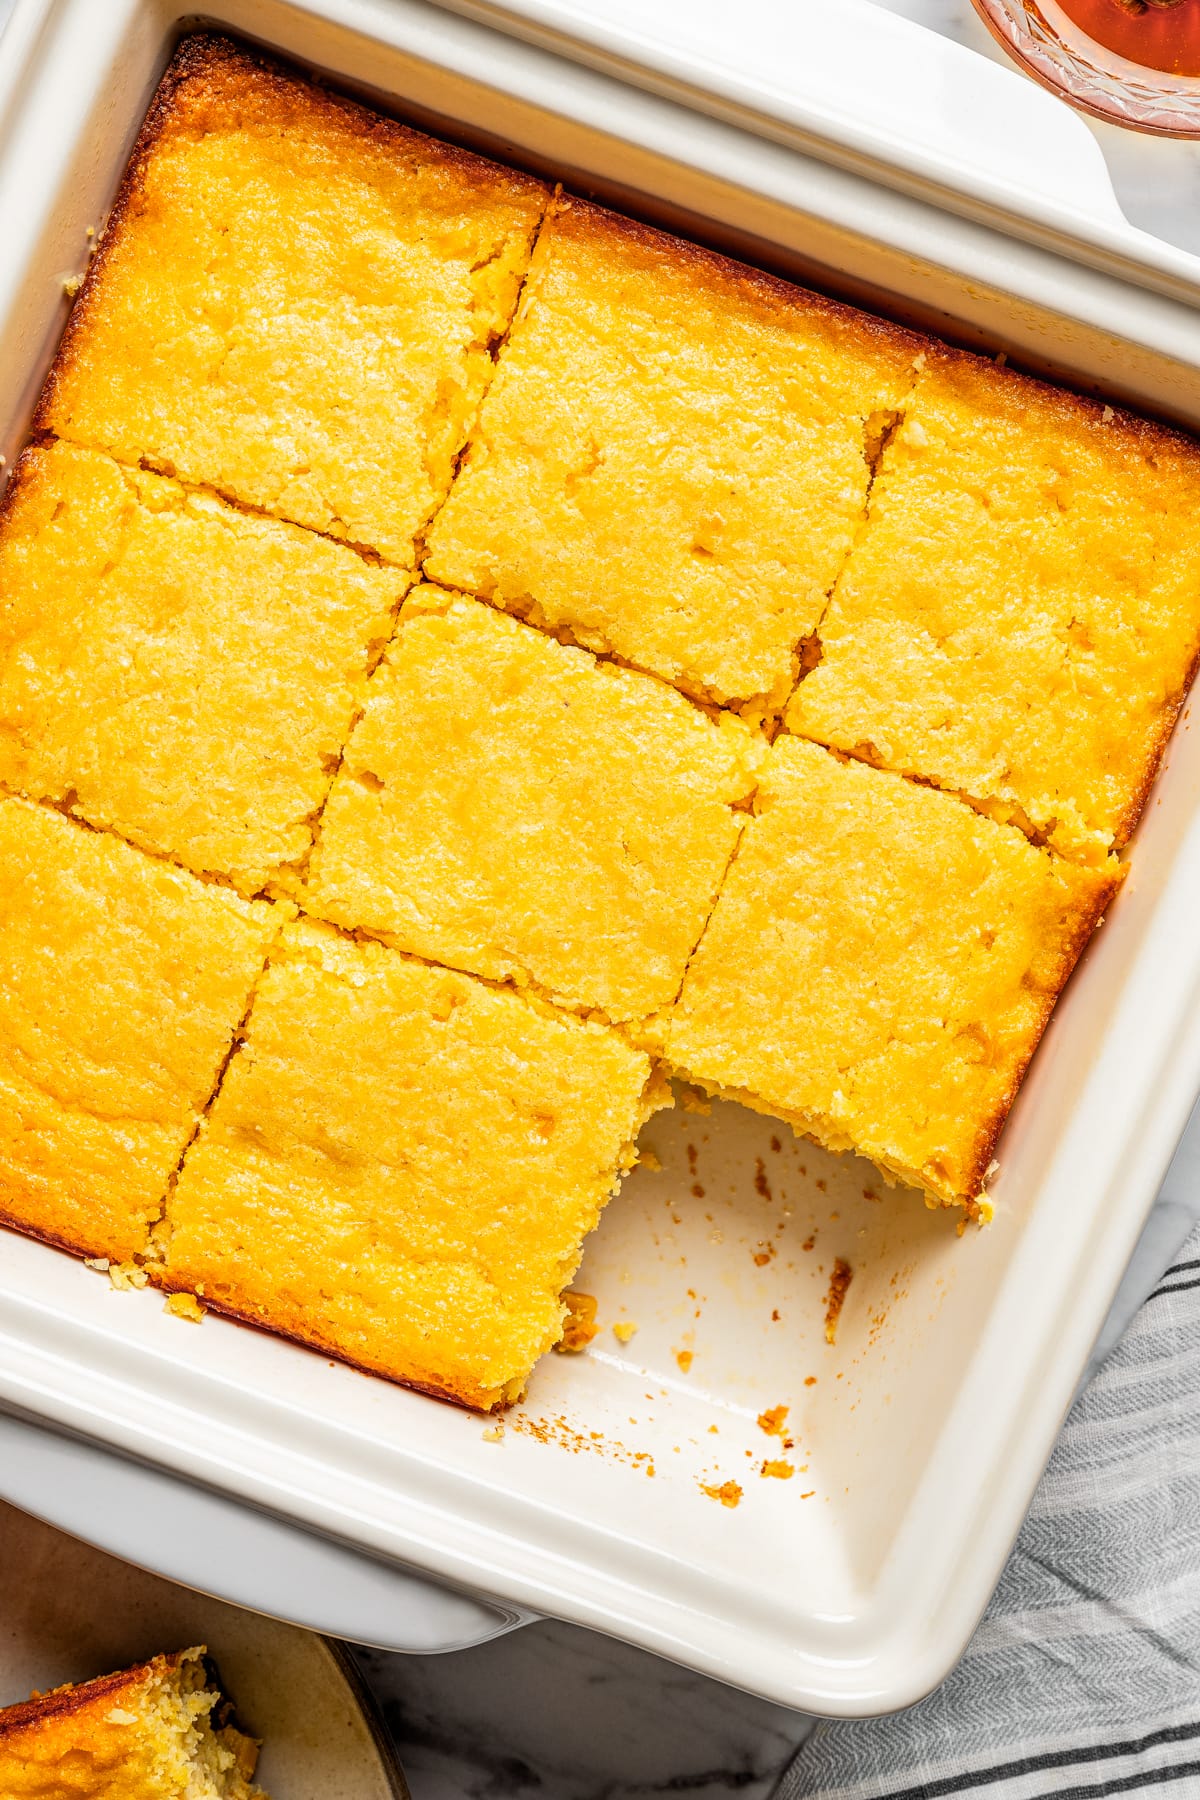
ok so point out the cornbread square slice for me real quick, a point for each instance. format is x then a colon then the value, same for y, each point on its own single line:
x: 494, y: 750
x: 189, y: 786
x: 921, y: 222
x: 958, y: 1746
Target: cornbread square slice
x: 1021, y: 618
x: 880, y: 966
x: 510, y: 806
x: 122, y: 983
x: 673, y: 459
x: 294, y: 301
x: 402, y: 1164
x: 173, y: 669
x: 148, y: 1733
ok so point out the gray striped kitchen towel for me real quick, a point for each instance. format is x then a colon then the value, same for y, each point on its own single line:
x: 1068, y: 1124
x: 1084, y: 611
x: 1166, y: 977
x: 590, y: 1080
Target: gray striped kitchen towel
x: 1083, y: 1680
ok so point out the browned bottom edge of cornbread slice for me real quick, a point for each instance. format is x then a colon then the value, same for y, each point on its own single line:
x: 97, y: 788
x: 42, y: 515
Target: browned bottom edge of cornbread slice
x: 880, y: 966
x: 402, y: 1164
x: 295, y: 300
x: 508, y: 805
x: 174, y: 669
x: 674, y: 457
x: 1020, y: 620
x: 158, y: 1731
x: 122, y: 983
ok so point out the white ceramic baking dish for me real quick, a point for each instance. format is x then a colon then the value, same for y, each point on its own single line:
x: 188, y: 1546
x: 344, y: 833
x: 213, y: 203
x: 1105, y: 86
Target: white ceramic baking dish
x: 944, y: 191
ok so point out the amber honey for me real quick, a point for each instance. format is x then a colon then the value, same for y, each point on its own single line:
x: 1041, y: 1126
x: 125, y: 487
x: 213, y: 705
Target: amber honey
x: 1156, y: 36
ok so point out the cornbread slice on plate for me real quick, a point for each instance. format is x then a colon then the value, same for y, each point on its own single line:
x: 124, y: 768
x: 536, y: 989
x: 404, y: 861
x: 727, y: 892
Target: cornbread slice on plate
x: 294, y: 301
x: 402, y: 1164
x: 510, y: 806
x: 178, y: 671
x: 154, y: 1732
x: 1021, y: 618
x: 122, y: 982
x: 674, y: 457
x: 880, y: 966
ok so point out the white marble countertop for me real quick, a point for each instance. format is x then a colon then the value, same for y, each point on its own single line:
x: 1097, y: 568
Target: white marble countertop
x: 554, y: 1713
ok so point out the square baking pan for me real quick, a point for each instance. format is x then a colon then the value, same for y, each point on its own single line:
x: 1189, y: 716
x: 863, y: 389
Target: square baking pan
x: 917, y: 1437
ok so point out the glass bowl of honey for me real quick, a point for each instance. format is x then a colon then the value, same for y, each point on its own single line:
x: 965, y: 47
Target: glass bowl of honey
x: 1132, y: 62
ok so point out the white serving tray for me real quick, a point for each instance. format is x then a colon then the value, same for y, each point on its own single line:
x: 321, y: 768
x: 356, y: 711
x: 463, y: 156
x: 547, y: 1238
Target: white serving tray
x: 852, y: 1587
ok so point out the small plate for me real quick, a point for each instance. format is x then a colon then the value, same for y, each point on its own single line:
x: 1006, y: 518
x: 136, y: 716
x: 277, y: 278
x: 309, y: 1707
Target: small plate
x: 68, y: 1613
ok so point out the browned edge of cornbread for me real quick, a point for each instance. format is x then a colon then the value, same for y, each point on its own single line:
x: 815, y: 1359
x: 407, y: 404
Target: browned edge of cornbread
x: 201, y: 66
x: 72, y: 1697
x: 775, y: 294
x: 473, y: 1399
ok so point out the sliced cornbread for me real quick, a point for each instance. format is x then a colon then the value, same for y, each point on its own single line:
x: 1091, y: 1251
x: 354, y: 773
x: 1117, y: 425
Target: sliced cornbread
x: 149, y: 1733
x: 180, y: 672
x: 1020, y: 620
x: 673, y: 458
x: 880, y: 966
x: 122, y: 982
x: 508, y: 805
x: 294, y: 301
x: 402, y: 1164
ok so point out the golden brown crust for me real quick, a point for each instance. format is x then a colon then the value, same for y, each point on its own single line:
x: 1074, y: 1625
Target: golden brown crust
x: 1073, y: 946
x: 1012, y: 392
x: 61, y: 1702
x: 210, y: 70
x: 471, y: 1399
x: 1164, y: 726
x: 772, y: 295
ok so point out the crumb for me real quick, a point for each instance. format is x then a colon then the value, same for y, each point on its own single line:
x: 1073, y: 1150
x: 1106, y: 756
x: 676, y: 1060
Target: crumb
x: 776, y: 1315
x: 727, y: 1492
x: 684, y: 1359
x: 772, y: 1420
x: 184, y: 1306
x: 623, y: 1330
x: 810, y: 1381
x: 1001, y: 358
x: 714, y: 1430
x: 127, y: 1275
x: 776, y: 1145
x: 579, y: 1327
x: 71, y: 285
x: 811, y: 1492
x: 839, y: 1282
x: 649, y: 1159
x: 693, y: 1101
x: 1108, y: 415
x: 782, y: 1471
x: 96, y: 1262
x: 493, y: 1434
x: 762, y: 1257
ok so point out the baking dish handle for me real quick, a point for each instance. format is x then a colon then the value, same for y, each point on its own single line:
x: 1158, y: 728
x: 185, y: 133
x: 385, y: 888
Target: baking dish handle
x: 220, y: 1547
x: 882, y: 90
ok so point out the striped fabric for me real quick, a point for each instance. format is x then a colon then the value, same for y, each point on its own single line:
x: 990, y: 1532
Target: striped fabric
x: 1083, y: 1679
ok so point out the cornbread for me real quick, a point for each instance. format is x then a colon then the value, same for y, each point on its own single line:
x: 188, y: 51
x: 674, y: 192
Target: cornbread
x: 122, y: 982
x: 1021, y: 618
x: 673, y: 459
x: 880, y: 966
x: 294, y: 302
x: 180, y: 672
x: 510, y: 806
x: 153, y: 1732
x: 402, y: 1164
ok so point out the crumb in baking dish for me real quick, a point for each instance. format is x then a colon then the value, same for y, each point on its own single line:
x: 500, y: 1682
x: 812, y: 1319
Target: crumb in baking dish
x: 510, y: 806
x: 673, y: 459
x: 879, y: 967
x: 1021, y: 618
x: 180, y: 672
x: 157, y: 1730
x: 402, y: 1164
x: 122, y: 983
x: 295, y: 300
